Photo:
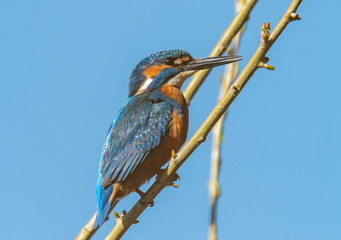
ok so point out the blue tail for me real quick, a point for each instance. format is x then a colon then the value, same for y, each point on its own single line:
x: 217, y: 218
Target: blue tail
x: 103, y: 203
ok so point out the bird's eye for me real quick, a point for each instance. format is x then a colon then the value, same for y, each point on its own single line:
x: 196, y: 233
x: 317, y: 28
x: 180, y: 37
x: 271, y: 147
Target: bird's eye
x: 169, y: 61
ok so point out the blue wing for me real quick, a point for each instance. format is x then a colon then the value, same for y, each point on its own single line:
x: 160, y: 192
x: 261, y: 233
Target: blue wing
x: 139, y: 127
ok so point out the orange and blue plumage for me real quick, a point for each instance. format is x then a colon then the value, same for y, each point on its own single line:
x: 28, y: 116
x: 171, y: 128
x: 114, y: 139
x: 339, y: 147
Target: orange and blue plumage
x: 152, y: 123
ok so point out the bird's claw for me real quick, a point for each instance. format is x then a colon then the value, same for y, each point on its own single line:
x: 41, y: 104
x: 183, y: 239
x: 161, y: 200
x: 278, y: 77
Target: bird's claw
x: 139, y: 192
x: 176, y: 177
x: 157, y: 177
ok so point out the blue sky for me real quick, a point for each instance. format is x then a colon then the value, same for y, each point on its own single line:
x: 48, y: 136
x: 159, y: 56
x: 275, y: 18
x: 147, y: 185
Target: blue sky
x: 64, y: 68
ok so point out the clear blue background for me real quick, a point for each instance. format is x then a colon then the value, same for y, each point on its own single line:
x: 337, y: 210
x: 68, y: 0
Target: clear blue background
x: 64, y: 68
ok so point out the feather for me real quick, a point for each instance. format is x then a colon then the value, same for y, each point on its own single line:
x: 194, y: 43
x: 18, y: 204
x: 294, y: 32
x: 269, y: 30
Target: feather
x: 139, y: 127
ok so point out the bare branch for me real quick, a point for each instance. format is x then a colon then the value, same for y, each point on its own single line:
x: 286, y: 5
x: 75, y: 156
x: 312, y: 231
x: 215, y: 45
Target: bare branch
x: 231, y: 71
x: 220, y: 48
x: 166, y: 177
x: 87, y: 231
x: 123, y: 224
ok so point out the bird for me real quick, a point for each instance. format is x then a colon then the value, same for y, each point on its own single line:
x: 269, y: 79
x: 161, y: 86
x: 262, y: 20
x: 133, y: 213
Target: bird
x: 152, y: 123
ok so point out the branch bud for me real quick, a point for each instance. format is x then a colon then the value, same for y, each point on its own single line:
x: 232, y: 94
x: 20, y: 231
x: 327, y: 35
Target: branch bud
x: 124, y: 212
x: 174, y: 185
x: 293, y: 16
x: 265, y: 31
x: 173, y: 154
x: 116, y: 214
x: 269, y: 67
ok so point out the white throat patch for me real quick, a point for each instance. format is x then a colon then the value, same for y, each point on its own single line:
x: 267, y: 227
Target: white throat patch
x: 176, y: 81
x: 144, y: 86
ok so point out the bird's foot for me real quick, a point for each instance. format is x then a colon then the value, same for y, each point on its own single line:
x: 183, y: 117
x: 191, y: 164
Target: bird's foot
x: 139, y: 192
x: 175, y: 176
x: 157, y: 177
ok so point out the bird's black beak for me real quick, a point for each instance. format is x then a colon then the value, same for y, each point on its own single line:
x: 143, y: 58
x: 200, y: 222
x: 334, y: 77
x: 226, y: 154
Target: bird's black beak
x: 210, y: 62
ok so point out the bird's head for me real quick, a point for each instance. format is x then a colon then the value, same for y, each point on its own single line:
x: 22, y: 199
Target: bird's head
x: 165, y: 68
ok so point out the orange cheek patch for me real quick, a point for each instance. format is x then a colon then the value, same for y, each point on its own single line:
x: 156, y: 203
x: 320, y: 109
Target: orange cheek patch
x: 153, y: 71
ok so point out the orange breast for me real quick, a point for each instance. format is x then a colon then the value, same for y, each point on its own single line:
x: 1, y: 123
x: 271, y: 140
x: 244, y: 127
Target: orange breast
x: 179, y: 126
x: 160, y: 156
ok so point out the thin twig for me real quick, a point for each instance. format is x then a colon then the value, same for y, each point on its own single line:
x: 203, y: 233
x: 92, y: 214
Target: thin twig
x: 231, y: 71
x: 87, y: 231
x: 165, y: 178
x: 220, y: 48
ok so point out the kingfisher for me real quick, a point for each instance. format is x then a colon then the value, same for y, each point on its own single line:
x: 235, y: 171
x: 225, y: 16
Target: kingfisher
x: 151, y: 124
